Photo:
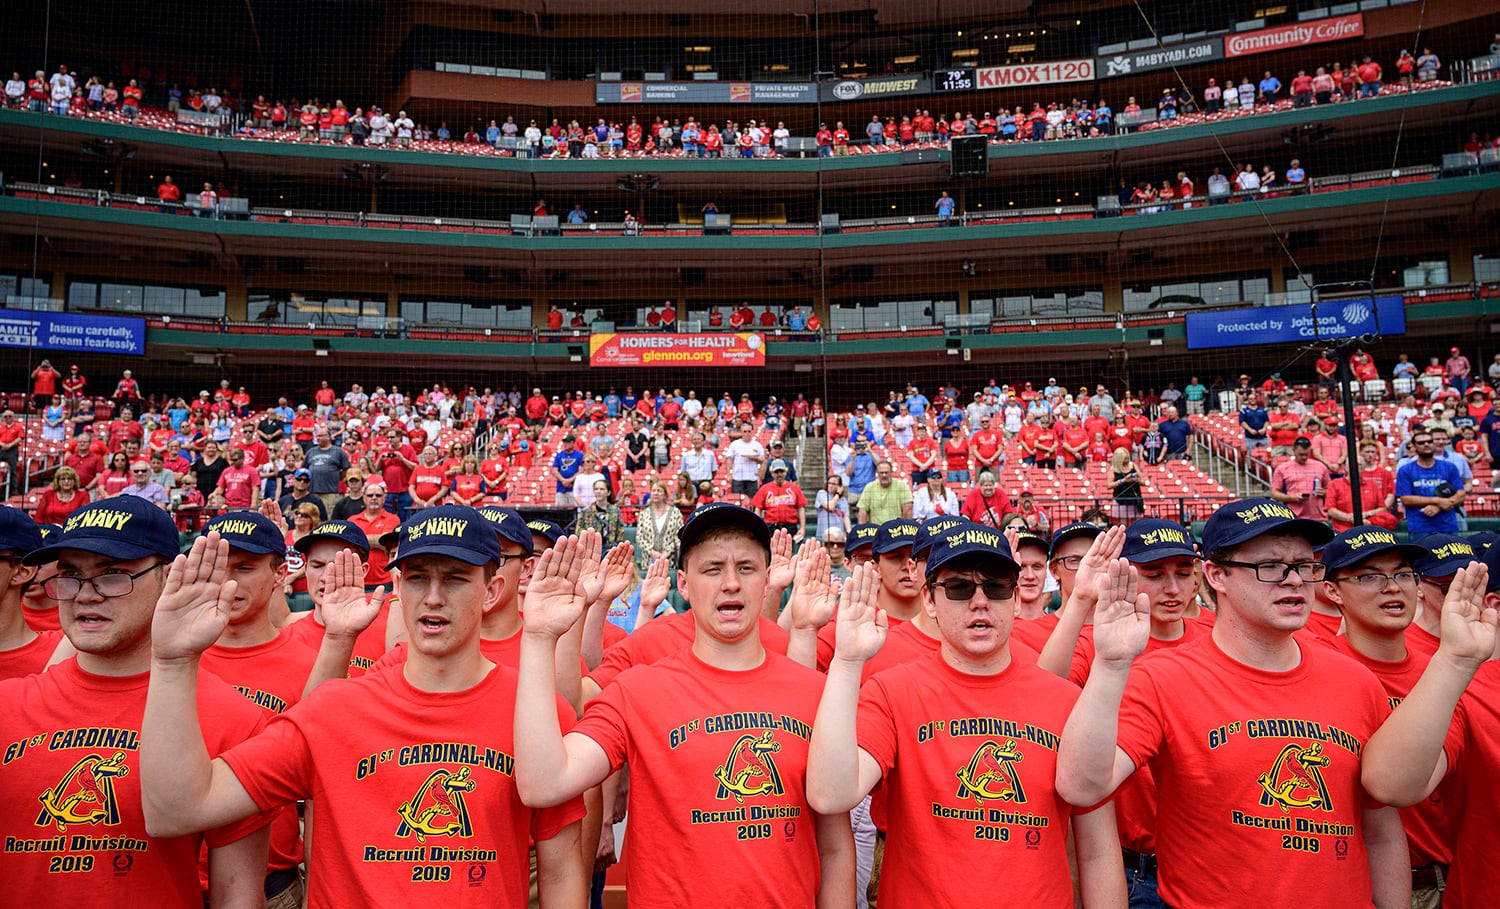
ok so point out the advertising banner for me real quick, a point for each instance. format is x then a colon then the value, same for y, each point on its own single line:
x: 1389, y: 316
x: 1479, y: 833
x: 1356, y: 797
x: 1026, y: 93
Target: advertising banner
x: 1027, y: 74
x: 723, y: 349
x: 1145, y: 61
x: 1302, y: 34
x: 890, y: 86
x: 1294, y: 324
x: 705, y: 93
x: 72, y: 331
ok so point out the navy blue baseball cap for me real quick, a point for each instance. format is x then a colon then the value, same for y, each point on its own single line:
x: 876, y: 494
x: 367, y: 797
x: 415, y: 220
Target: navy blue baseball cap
x: 860, y: 536
x: 509, y: 525
x: 248, y: 531
x: 544, y: 529
x: 931, y: 529
x: 1482, y: 540
x: 1153, y: 539
x: 895, y: 534
x: 1491, y: 560
x: 969, y: 540
x: 1072, y: 532
x: 121, y: 527
x: 720, y: 514
x: 1359, y: 544
x: 1445, y: 554
x: 1031, y: 538
x: 455, y: 531
x: 19, y: 533
x: 48, y: 531
x: 1242, y: 521
x: 342, y: 532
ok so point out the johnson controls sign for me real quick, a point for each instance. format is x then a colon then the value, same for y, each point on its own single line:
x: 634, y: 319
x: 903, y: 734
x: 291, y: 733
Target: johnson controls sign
x: 1303, y: 34
x: 1145, y: 61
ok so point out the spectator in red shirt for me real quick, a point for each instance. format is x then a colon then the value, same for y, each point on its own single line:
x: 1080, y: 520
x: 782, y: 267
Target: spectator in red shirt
x: 239, y: 484
x: 1377, y: 491
x: 986, y: 503
x: 12, y: 439
x: 985, y: 445
x: 44, y: 381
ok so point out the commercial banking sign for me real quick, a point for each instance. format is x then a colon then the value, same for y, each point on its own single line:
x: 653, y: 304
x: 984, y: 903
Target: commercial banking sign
x: 1336, y: 319
x: 74, y: 332
x: 1145, y: 61
x: 705, y: 93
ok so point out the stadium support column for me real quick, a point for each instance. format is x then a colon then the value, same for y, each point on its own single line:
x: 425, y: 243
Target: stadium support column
x: 1351, y: 438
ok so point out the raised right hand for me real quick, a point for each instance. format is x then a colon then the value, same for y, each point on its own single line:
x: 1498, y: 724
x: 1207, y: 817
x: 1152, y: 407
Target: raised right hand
x: 346, y: 609
x: 194, y: 605
x: 1122, y: 617
x: 862, y: 624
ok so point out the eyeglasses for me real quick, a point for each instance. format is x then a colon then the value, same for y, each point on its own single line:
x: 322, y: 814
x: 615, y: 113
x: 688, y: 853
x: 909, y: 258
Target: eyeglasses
x: 1276, y: 572
x: 107, y: 585
x: 1069, y: 563
x: 961, y: 590
x: 1440, y: 583
x: 1374, y: 580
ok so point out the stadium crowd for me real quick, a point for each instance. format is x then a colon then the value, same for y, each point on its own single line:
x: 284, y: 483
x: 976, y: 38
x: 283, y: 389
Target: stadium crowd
x: 320, y: 120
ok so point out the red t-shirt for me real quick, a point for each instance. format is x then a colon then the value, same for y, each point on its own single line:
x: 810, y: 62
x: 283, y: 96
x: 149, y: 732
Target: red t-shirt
x: 1323, y: 629
x: 427, y: 482
x: 1211, y: 729
x: 1076, y: 438
x: 271, y: 676
x: 1026, y: 437
x: 1473, y: 751
x: 73, y: 742
x: 31, y: 658
x: 981, y: 510
x: 828, y: 641
x: 718, y: 769
x: 468, y: 485
x: 398, y: 775
x: 781, y: 504
x: 969, y: 764
x: 238, y: 486
x: 1121, y: 438
x: 1429, y: 831
x: 920, y: 450
x: 986, y: 444
x: 666, y: 636
x: 368, y: 647
x: 397, y: 475
x: 956, y: 453
x: 383, y: 523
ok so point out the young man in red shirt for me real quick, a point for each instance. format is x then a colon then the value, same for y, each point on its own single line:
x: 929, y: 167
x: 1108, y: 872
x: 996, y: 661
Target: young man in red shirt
x: 779, y: 503
x: 320, y: 550
x: 1253, y: 737
x: 985, y: 445
x: 969, y: 712
x: 923, y: 453
x: 404, y: 811
x: 1446, y: 733
x: 1372, y: 581
x: 716, y: 736
x: 75, y: 797
x: 23, y: 651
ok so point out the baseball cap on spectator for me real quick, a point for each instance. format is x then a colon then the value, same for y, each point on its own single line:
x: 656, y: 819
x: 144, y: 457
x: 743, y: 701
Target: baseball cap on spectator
x: 1491, y: 560
x: 453, y: 531
x: 121, y: 527
x: 340, y: 531
x: 1444, y: 554
x: 302, y: 473
x: 931, y: 529
x: 968, y: 541
x: 48, y: 531
x: 1362, y: 543
x: 19, y: 533
x: 860, y: 536
x: 509, y: 525
x: 544, y: 529
x: 1153, y: 539
x: 720, y: 514
x: 778, y: 464
x: 1072, y: 532
x: 897, y: 533
x: 248, y: 531
x: 1242, y: 521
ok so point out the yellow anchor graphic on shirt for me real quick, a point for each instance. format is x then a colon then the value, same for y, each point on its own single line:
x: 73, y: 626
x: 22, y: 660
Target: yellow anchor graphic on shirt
x: 438, y: 808
x: 991, y: 774
x: 1295, y: 780
x: 750, y: 769
x: 85, y: 794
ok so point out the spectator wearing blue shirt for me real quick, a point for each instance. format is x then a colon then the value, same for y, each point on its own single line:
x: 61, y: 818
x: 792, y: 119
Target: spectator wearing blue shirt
x: 577, y: 215
x: 1178, y: 434
x: 861, y: 470
x: 795, y: 320
x: 1295, y: 173
x: 1104, y: 118
x: 916, y: 402
x: 1194, y: 393
x: 565, y: 465
x: 286, y: 413
x: 1429, y: 489
x: 1269, y: 87
x: 612, y: 404
x: 629, y: 401
x: 492, y: 134
x: 944, y: 206
x: 1253, y: 420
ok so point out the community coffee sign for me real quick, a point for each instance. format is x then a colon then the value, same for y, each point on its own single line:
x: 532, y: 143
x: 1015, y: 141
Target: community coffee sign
x: 854, y: 89
x: 1303, y: 34
x: 1145, y: 61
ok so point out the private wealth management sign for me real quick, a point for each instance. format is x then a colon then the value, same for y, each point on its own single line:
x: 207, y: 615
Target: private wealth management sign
x: 1336, y: 320
x: 1303, y: 34
x: 722, y: 349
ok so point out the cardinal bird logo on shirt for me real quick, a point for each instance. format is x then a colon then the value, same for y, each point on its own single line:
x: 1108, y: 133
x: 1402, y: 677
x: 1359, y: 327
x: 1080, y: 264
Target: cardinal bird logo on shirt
x: 1295, y: 780
x: 750, y: 770
x: 85, y: 795
x: 438, y: 808
x: 991, y: 774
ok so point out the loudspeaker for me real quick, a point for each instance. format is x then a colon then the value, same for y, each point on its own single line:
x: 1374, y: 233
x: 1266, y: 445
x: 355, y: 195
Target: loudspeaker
x: 1107, y: 207
x: 970, y: 156
x: 831, y: 224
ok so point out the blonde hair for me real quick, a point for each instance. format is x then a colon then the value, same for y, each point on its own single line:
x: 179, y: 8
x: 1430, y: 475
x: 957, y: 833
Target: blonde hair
x: 1119, y: 459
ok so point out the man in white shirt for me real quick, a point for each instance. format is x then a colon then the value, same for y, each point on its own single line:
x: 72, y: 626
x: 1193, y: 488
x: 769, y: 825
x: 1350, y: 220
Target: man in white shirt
x: 15, y: 91
x: 62, y: 89
x: 699, y: 463
x: 692, y: 407
x: 747, y: 456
